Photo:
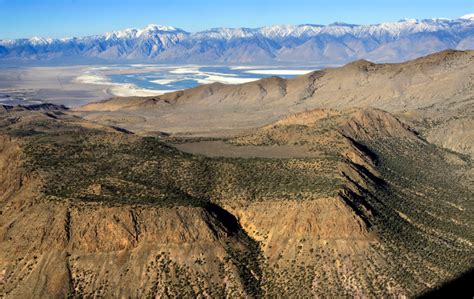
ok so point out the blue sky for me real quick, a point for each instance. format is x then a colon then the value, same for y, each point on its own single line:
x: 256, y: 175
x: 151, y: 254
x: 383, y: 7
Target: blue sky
x: 62, y: 18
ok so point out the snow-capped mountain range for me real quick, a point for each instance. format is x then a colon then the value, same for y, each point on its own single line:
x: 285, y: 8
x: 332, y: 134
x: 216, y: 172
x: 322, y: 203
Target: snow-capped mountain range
x: 334, y: 43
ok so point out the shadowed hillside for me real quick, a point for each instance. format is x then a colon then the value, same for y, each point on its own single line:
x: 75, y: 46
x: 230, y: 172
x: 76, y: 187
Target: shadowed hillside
x: 91, y: 210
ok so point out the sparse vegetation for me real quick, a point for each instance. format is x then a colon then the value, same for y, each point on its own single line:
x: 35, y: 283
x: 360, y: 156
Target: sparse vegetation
x: 394, y: 199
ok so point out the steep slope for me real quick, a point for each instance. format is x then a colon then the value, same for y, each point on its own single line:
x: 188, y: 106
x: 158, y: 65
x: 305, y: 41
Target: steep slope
x: 416, y: 203
x: 73, y: 226
x: 92, y: 211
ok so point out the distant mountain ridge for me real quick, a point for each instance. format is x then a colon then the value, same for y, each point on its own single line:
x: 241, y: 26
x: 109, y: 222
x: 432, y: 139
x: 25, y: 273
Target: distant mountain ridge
x: 334, y: 43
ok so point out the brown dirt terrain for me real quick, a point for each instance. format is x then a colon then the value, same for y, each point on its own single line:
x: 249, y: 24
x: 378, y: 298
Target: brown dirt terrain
x: 437, y: 90
x: 90, y: 210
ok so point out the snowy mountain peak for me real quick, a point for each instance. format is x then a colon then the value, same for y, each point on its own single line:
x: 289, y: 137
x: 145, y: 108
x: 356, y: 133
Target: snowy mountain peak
x: 155, y: 27
x: 278, y: 30
x: 281, y: 31
x: 151, y: 29
x: 469, y: 17
x: 123, y: 34
x: 40, y: 40
x: 337, y: 42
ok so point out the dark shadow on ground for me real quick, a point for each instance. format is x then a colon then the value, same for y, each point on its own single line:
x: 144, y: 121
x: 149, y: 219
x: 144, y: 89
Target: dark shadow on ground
x: 461, y: 287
